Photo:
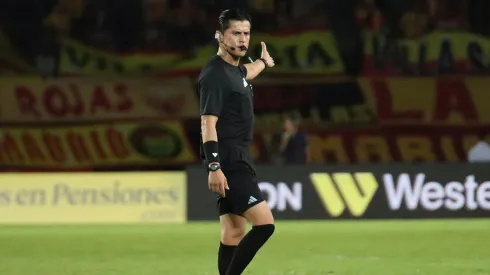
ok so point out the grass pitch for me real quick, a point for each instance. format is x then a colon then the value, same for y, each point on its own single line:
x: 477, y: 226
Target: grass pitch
x: 442, y: 247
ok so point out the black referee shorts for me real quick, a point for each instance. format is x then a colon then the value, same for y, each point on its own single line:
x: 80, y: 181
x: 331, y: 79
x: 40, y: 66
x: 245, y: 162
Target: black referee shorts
x: 244, y: 189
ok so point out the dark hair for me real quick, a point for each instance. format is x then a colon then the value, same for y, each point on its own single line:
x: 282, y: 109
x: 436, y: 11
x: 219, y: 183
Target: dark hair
x: 232, y: 15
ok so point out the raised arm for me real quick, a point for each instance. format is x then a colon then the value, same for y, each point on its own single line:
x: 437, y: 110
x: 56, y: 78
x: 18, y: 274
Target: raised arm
x: 255, y: 68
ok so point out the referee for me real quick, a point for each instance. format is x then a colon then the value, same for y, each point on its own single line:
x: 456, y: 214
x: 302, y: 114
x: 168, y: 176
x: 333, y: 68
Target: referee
x: 227, y: 120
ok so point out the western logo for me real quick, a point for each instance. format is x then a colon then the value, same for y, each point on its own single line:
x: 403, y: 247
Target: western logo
x: 413, y: 192
x: 339, y: 191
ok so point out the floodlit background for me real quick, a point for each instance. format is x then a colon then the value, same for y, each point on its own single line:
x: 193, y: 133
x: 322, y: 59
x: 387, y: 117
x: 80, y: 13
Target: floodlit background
x: 99, y: 136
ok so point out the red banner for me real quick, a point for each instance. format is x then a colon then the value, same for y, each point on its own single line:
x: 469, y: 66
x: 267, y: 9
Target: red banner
x: 89, y: 99
x: 430, y: 101
x: 373, y: 102
x: 398, y: 119
x: 95, y: 146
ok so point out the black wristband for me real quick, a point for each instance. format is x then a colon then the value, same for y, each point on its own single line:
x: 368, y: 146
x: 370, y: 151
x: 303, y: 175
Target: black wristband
x: 265, y: 62
x: 211, y: 151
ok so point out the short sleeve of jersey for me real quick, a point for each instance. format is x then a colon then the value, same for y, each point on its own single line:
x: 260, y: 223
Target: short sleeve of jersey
x: 243, y: 69
x: 212, y: 92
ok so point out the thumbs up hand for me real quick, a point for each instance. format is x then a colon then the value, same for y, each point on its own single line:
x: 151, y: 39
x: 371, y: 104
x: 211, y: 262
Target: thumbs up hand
x: 266, y: 56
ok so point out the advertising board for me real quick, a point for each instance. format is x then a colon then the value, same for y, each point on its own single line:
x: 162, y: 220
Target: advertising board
x: 360, y: 191
x: 92, y: 198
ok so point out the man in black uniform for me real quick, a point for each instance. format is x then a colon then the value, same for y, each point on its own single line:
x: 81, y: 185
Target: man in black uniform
x: 227, y: 119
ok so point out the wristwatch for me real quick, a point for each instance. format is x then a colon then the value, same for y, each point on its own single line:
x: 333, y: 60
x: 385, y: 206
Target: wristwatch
x: 213, y: 167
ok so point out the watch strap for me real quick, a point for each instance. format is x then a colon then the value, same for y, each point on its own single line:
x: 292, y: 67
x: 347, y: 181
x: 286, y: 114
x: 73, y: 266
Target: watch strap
x: 265, y: 62
x: 214, y: 167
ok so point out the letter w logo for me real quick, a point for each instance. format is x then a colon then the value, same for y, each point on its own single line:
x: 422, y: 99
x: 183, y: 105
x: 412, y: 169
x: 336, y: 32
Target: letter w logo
x: 340, y: 190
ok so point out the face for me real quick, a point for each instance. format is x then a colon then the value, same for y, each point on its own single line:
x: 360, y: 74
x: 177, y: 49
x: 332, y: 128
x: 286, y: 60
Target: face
x: 238, y: 34
x: 288, y: 126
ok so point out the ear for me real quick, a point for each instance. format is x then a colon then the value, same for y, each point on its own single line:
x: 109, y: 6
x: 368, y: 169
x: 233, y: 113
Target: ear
x: 217, y: 36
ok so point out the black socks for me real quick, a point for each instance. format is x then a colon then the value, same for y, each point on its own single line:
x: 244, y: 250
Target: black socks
x: 225, y: 254
x: 248, y: 247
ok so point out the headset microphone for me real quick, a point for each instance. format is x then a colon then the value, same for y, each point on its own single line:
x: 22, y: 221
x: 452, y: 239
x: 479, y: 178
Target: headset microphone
x: 242, y: 48
x: 218, y: 37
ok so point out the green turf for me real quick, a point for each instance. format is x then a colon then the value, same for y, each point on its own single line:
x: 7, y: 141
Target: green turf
x: 444, y: 247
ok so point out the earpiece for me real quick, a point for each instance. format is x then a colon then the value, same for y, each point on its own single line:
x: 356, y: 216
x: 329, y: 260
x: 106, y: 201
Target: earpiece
x: 217, y: 36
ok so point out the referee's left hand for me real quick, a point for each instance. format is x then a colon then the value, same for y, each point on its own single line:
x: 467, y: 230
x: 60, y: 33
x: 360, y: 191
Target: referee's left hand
x: 217, y: 182
x: 265, y: 55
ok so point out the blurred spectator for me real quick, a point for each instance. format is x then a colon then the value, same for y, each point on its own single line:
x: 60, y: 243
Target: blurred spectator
x: 262, y: 12
x: 86, y: 21
x: 63, y: 13
x: 185, y: 27
x: 155, y: 12
x: 295, y: 15
x: 368, y: 16
x: 449, y: 14
x: 293, y: 143
x: 283, y: 10
x: 22, y: 22
x: 309, y: 14
x: 126, y: 24
x: 392, y: 12
x: 480, y: 152
x: 414, y: 23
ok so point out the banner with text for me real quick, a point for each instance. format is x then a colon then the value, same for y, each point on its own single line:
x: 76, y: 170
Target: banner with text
x: 393, y: 144
x: 430, y: 101
x: 92, y: 198
x: 310, y: 52
x: 373, y: 102
x: 31, y: 100
x: 95, y: 146
x: 383, y: 120
x: 436, y: 53
x: 359, y: 191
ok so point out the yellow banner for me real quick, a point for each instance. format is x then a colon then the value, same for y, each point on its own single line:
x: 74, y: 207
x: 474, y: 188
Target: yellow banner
x: 437, y: 52
x: 312, y: 52
x: 77, y: 58
x: 95, y: 146
x: 93, y: 198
